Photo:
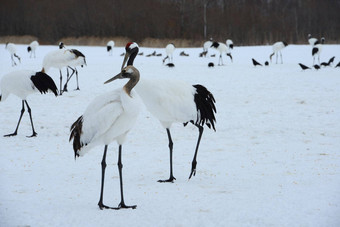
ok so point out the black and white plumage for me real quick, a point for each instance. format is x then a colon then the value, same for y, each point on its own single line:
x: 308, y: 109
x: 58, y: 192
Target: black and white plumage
x: 303, y: 67
x: 172, y: 101
x: 230, y: 44
x: 11, y: 48
x: 109, y: 47
x: 169, y: 50
x: 79, y: 61
x: 317, y: 49
x: 63, y: 58
x: 222, y: 48
x: 206, y: 46
x: 109, y: 117
x: 23, y: 83
x: 317, y: 67
x: 255, y: 63
x: 277, y: 47
x: 312, y: 41
x: 337, y: 65
x: 32, y: 47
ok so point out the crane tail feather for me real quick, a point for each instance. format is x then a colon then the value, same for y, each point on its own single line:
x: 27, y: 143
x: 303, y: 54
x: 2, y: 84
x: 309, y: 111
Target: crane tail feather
x: 205, y: 105
x: 76, y: 131
x: 44, y: 82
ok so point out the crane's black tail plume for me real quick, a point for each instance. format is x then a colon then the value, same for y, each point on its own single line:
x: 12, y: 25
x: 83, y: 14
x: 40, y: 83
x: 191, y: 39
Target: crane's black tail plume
x: 44, y: 82
x: 205, y: 104
x: 76, y: 131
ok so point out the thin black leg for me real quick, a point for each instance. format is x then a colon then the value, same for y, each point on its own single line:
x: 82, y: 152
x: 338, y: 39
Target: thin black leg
x: 22, y: 112
x: 100, y: 203
x: 68, y: 76
x: 171, y: 178
x: 61, y: 80
x: 120, y: 167
x: 77, y: 79
x: 29, y: 111
x: 194, y: 162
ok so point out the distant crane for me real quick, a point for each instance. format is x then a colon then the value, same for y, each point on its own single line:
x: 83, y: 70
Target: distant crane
x: 312, y: 41
x: 172, y: 101
x: 169, y: 50
x: 222, y: 48
x: 109, y: 46
x: 13, y: 51
x: 109, y: 117
x: 23, y: 83
x: 32, y: 47
x: 277, y: 47
x: 62, y: 58
x: 79, y: 61
x: 317, y: 49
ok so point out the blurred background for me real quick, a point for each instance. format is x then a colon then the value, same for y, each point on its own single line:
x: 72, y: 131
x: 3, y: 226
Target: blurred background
x: 156, y: 22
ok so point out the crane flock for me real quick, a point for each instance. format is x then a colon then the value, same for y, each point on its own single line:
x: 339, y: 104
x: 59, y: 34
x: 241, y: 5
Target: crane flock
x: 110, y: 116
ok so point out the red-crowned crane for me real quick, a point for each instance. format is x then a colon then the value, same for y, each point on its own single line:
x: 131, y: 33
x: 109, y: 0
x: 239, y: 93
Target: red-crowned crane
x: 169, y: 50
x: 222, y: 48
x: 317, y: 49
x: 172, y: 101
x: 109, y: 46
x: 32, y: 48
x: 62, y: 58
x: 13, y: 51
x: 79, y: 61
x: 312, y: 41
x: 23, y: 83
x: 109, y: 117
x: 277, y: 47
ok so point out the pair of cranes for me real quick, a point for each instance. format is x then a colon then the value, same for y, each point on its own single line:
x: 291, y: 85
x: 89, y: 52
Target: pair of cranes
x: 110, y: 116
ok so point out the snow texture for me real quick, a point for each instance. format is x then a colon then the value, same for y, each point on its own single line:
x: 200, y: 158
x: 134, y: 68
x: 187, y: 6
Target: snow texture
x: 274, y: 159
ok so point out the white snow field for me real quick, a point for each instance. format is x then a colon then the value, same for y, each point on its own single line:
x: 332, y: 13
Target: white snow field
x: 274, y: 159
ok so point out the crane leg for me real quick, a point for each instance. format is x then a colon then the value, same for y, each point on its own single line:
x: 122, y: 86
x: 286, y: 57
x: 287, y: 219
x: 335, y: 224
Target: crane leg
x: 194, y: 162
x: 171, y: 178
x: 120, y: 167
x: 77, y: 80
x: 69, y: 77
x: 22, y: 112
x: 29, y: 111
x: 61, y: 80
x: 100, y: 203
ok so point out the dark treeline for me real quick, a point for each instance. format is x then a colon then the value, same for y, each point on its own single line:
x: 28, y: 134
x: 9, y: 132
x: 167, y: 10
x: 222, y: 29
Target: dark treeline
x: 244, y: 21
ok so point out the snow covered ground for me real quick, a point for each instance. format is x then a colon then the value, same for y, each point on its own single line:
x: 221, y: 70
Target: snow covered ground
x: 274, y: 159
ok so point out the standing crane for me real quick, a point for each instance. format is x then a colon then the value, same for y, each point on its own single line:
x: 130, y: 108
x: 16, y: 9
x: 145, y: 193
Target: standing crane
x: 109, y: 46
x: 277, y: 47
x: 172, y: 101
x: 222, y: 48
x: 62, y: 58
x: 79, y: 61
x: 23, y: 83
x: 13, y: 51
x: 169, y: 50
x: 108, y: 118
x: 32, y: 47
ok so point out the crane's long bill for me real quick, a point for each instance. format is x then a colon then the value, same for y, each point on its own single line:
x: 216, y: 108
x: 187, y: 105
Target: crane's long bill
x: 118, y: 76
x: 127, y: 55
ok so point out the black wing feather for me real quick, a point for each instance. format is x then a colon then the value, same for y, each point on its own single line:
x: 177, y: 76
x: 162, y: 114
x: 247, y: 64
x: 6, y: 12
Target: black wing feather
x: 44, y: 82
x: 205, y: 105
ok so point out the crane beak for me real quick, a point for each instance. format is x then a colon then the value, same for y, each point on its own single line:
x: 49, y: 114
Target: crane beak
x: 126, y: 57
x: 118, y: 76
